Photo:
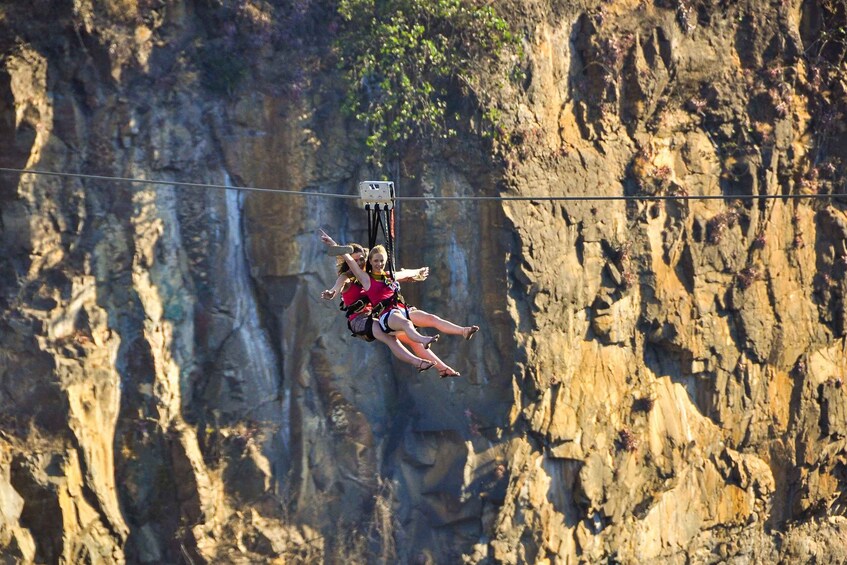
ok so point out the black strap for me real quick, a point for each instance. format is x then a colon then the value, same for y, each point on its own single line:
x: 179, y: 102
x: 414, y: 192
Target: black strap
x: 392, y: 300
x: 389, y: 237
x: 382, y: 220
x: 374, y: 222
x: 371, y: 236
x: 367, y: 335
x: 355, y: 307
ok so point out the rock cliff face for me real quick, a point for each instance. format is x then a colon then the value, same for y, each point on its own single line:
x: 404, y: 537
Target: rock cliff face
x: 655, y: 380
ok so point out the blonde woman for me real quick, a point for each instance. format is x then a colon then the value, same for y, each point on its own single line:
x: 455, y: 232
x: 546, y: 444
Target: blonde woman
x: 358, y: 312
x: 394, y: 315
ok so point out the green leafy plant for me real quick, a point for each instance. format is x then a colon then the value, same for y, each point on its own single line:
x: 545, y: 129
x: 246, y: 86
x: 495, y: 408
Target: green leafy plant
x: 403, y: 59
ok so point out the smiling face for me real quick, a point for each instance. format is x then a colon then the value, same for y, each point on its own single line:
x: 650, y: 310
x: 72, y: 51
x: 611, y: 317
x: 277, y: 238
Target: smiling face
x: 377, y: 262
x: 359, y: 255
x: 376, y: 259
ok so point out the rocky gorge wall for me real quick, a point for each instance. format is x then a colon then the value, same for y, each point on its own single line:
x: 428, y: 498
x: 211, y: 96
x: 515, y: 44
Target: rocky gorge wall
x: 655, y: 380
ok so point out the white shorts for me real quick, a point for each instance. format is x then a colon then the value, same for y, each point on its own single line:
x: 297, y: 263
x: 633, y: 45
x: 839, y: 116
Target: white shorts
x: 383, y: 319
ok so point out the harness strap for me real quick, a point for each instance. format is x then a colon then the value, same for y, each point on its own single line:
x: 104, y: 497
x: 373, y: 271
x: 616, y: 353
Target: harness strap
x: 382, y: 220
x: 390, y: 214
x: 393, y: 300
x: 365, y: 333
x: 353, y: 308
x: 374, y: 222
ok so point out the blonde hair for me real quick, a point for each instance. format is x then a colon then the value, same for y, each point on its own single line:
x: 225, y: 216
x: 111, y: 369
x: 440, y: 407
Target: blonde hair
x: 376, y: 249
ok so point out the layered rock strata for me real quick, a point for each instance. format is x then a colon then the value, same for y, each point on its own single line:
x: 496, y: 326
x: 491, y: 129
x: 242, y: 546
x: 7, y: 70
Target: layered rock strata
x: 656, y: 379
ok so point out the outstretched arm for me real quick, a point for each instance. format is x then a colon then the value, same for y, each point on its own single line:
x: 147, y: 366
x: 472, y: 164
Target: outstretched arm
x: 325, y: 238
x: 329, y: 294
x: 404, y: 275
x: 363, y: 277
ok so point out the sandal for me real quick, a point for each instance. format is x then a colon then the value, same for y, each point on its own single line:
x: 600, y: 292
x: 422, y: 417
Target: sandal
x: 428, y: 344
x: 468, y: 332
x: 425, y: 365
x: 444, y: 373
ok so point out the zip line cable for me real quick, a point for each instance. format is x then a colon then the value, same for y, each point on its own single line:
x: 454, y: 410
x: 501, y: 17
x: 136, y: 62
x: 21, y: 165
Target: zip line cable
x: 560, y: 198
x: 173, y: 183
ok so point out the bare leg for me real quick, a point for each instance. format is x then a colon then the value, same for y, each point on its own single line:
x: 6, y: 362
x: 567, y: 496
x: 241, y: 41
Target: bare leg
x: 442, y: 367
x: 399, y: 351
x: 427, y: 320
x: 398, y: 322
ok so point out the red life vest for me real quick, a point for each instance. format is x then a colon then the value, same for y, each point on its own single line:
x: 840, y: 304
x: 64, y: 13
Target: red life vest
x: 384, y: 293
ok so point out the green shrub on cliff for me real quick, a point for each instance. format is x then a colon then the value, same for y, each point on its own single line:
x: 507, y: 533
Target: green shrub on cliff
x: 403, y: 59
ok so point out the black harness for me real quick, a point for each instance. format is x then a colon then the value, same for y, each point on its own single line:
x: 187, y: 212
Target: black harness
x: 353, y: 308
x: 384, y: 219
x: 394, y: 300
x: 379, y: 219
x: 360, y: 326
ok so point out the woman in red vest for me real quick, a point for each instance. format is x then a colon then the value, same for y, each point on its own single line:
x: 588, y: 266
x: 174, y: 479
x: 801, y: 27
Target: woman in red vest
x: 394, y: 315
x: 358, y: 311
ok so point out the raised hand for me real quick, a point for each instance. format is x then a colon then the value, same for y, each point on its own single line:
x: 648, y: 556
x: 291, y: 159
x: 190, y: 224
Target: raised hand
x: 325, y: 237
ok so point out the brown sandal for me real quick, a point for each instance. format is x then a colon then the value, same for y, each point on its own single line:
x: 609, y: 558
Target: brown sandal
x: 444, y: 373
x: 428, y: 344
x: 468, y: 332
x: 425, y: 365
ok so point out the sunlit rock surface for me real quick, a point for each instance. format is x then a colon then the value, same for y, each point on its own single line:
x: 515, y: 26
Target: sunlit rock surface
x: 654, y: 381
